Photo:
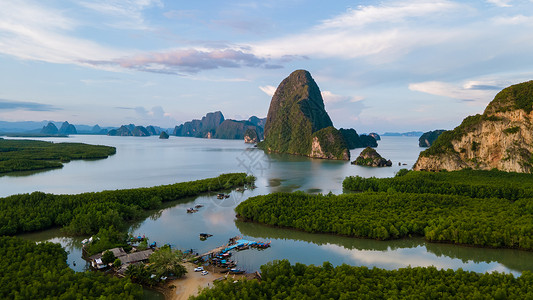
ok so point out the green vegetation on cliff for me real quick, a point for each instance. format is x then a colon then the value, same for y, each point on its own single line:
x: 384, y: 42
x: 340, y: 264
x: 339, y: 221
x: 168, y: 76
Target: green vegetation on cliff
x: 40, y: 271
x: 484, y: 222
x: 332, y: 143
x: 27, y: 155
x: 296, y: 112
x: 281, y: 280
x: 353, y: 140
x: 87, y: 213
x: 518, y: 96
x: 428, y: 138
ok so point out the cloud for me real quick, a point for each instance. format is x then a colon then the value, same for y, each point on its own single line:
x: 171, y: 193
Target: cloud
x: 181, y: 14
x: 268, y: 89
x: 500, y: 3
x: 27, y: 106
x: 154, y: 116
x: 514, y: 20
x: 190, y: 60
x: 123, y: 14
x: 469, y: 91
x: 330, y: 98
x: 30, y: 31
x: 386, y: 31
x: 394, y: 12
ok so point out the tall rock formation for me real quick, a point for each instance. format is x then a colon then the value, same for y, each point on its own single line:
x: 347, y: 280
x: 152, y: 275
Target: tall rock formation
x: 297, y: 122
x: 140, y: 131
x: 67, y: 128
x: 122, y: 131
x: 153, y: 130
x: 49, y: 129
x: 235, y: 130
x: 206, y: 127
x: 502, y: 137
x: 251, y: 136
x: 353, y: 140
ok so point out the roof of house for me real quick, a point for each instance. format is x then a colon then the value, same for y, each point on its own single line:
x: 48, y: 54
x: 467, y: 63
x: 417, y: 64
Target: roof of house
x: 137, y: 256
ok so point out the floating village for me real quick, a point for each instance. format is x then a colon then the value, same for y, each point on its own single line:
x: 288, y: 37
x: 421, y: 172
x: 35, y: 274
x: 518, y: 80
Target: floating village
x: 218, y: 260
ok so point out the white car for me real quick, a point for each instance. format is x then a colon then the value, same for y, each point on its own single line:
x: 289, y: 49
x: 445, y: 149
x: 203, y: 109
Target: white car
x: 204, y: 273
x: 198, y: 269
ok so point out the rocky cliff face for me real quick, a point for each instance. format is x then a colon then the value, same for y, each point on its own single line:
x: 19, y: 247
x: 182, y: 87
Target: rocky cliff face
x: 200, y: 128
x: 251, y: 136
x: 501, y: 138
x: 375, y: 136
x: 297, y: 112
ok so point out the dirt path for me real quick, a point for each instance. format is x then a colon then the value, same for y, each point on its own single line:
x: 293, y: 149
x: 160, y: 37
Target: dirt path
x: 189, y: 284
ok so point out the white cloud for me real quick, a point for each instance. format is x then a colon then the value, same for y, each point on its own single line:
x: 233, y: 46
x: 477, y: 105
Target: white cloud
x: 125, y: 14
x: 350, y: 36
x: 330, y: 98
x: 500, y: 3
x: 392, y: 12
x: 268, y: 89
x: 514, y: 20
x: 30, y: 31
x: 465, y: 92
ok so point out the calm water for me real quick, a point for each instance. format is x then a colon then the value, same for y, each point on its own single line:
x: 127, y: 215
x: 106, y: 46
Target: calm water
x: 148, y: 161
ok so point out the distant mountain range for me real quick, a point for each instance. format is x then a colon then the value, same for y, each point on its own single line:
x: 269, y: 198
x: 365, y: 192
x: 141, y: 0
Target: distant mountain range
x: 410, y: 133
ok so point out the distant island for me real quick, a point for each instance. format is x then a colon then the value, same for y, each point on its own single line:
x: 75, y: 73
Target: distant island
x: 214, y: 125
x: 410, y: 133
x: 428, y: 138
x: 369, y: 157
x: 29, y: 155
x: 499, y: 138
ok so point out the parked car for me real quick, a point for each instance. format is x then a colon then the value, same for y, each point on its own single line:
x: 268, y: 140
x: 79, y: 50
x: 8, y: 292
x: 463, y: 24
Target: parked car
x: 199, y: 269
x: 204, y: 273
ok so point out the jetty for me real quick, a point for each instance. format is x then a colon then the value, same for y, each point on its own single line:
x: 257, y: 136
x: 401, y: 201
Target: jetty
x: 234, y: 243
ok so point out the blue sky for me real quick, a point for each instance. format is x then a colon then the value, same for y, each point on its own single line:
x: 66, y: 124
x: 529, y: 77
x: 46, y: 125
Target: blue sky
x: 381, y: 66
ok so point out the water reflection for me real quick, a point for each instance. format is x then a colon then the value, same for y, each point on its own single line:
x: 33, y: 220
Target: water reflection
x: 400, y: 253
x: 159, y: 162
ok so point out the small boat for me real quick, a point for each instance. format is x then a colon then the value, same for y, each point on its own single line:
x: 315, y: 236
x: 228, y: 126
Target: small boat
x: 220, y: 196
x: 243, y: 247
x: 198, y: 206
x: 191, y: 210
x: 205, y: 235
x: 236, y: 271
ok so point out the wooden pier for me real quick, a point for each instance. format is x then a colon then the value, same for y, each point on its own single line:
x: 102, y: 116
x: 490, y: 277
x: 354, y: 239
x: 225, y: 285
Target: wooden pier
x: 216, y: 250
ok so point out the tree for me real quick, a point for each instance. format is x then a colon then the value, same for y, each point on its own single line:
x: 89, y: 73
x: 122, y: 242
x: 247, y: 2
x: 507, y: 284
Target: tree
x: 108, y: 257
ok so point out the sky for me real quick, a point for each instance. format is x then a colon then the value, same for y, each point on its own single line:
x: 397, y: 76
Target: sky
x: 381, y: 65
